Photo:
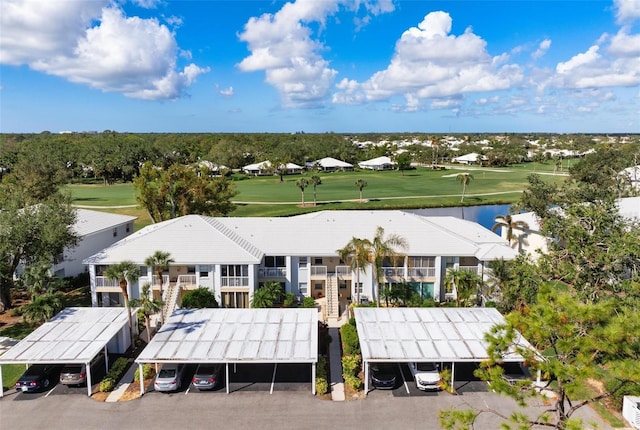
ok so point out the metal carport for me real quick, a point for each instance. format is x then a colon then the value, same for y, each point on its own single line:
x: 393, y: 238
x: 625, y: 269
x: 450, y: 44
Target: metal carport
x: 236, y: 336
x: 73, y: 336
x: 406, y: 335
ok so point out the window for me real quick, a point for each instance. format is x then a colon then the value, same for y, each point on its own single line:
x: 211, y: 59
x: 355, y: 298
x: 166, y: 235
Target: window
x: 342, y: 284
x: 317, y: 260
x: 128, y: 228
x: 115, y: 232
x: 143, y: 270
x: 191, y: 270
x: 357, y: 286
x: 234, y: 275
x: 302, y: 262
x: 302, y: 286
x: 317, y: 286
x: 275, y: 261
x: 422, y: 262
x: 204, y: 270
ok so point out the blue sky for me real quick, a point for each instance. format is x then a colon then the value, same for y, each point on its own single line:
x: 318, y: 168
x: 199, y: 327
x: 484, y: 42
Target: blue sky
x: 320, y: 66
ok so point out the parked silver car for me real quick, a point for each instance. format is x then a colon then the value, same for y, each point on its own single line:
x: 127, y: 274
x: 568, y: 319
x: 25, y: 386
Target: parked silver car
x: 169, y: 378
x: 207, y: 376
x: 76, y: 374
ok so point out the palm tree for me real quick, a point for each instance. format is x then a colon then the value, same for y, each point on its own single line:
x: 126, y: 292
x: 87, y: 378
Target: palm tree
x: 148, y: 306
x: 384, y: 248
x: 507, y: 221
x: 37, y: 280
x: 160, y: 262
x: 356, y: 254
x: 315, y: 181
x: 464, y: 283
x: 464, y: 179
x: 126, y: 273
x: 360, y: 184
x: 302, y: 183
x: 42, y: 308
x: 266, y: 296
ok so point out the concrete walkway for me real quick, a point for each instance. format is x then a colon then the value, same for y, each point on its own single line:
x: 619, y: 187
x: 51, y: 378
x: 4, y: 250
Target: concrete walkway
x: 335, y: 363
x: 123, y: 384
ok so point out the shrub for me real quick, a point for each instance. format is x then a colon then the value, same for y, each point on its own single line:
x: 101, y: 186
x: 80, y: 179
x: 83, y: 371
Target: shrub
x: 118, y: 368
x: 322, y: 385
x: 289, y: 300
x: 308, y: 302
x: 107, y: 384
x: 350, y: 342
x: 351, y: 364
x: 147, y: 370
x: 353, y: 381
x: 201, y: 297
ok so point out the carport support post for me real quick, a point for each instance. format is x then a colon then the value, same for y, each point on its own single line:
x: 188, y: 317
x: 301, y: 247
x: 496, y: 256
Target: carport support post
x: 453, y: 372
x: 88, y: 367
x: 141, y: 377
x: 226, y: 376
x: 1, y: 388
x: 313, y: 378
x: 366, y: 377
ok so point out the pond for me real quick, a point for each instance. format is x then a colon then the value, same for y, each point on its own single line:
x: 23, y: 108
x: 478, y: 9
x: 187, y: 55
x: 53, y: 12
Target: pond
x: 484, y: 215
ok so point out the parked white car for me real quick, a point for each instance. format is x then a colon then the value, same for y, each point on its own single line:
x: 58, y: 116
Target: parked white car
x: 426, y: 375
x: 169, y: 378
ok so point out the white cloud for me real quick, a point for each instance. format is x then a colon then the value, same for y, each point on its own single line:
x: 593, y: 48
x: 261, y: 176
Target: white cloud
x: 147, y: 4
x: 543, y: 47
x: 282, y: 45
x: 94, y: 44
x: 617, y: 65
x: 627, y: 10
x: 429, y: 62
x: 227, y: 92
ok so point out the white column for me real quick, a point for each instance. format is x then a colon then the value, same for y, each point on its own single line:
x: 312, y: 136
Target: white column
x: 453, y: 372
x: 313, y: 378
x: 88, y: 367
x: 141, y: 374
x: 366, y: 378
x: 226, y: 376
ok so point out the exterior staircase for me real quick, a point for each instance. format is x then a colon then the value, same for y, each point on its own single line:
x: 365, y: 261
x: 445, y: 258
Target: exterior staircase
x: 171, y: 295
x: 333, y: 304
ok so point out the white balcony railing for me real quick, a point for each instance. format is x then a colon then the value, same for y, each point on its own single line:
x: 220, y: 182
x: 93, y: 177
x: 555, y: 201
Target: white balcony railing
x: 422, y: 272
x: 343, y: 271
x: 393, y: 272
x: 234, y: 282
x: 272, y: 272
x: 472, y: 269
x: 103, y: 281
x: 187, y: 280
x: 318, y: 270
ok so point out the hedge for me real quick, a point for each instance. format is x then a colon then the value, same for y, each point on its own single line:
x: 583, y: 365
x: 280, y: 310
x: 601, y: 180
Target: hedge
x: 147, y: 370
x: 322, y: 384
x: 109, y: 382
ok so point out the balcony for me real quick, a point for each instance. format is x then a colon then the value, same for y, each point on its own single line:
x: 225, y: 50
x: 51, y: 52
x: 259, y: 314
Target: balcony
x: 103, y: 281
x: 187, y: 280
x: 272, y: 272
x: 393, y: 272
x: 343, y: 271
x: 234, y: 282
x: 422, y: 272
x: 472, y: 269
x: 318, y: 272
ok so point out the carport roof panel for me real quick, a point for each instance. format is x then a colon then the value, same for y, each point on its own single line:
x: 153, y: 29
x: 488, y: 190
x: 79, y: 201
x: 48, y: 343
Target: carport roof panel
x: 236, y: 335
x: 75, y: 335
x: 427, y: 334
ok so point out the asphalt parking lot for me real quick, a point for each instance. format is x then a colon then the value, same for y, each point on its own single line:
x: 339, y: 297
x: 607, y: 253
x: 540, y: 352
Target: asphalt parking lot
x: 251, y: 403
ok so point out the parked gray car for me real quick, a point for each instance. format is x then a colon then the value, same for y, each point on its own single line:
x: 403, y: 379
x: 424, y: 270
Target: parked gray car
x: 207, y: 376
x: 76, y: 374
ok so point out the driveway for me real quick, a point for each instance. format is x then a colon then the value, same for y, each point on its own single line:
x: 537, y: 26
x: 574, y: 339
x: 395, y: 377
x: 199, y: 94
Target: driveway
x: 249, y: 409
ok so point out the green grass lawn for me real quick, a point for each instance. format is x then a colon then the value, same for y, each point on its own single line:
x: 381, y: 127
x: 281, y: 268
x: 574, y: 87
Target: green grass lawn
x: 419, y: 188
x: 10, y: 374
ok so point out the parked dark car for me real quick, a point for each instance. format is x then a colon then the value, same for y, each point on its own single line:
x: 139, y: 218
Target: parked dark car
x: 38, y: 377
x: 383, y: 376
x: 207, y: 376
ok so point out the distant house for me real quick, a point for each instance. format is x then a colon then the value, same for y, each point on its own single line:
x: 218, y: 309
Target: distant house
x: 378, y: 163
x: 214, y: 169
x: 472, y: 158
x: 531, y: 241
x: 632, y: 174
x: 329, y: 164
x: 264, y: 168
x: 96, y: 230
